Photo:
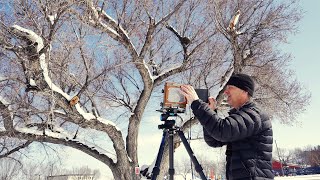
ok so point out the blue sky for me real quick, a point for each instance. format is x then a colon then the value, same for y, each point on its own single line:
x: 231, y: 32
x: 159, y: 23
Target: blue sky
x: 304, y: 48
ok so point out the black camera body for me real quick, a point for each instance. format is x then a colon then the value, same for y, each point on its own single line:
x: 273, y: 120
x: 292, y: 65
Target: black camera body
x: 203, y: 94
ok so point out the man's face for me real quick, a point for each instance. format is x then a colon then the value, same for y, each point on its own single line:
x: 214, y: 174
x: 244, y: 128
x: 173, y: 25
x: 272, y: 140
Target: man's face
x: 236, y: 97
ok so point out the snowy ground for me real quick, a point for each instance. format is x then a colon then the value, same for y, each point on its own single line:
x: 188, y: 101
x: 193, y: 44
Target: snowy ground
x: 305, y: 177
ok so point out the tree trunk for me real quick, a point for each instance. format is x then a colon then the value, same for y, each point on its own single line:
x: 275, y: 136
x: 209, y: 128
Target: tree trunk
x: 121, y: 172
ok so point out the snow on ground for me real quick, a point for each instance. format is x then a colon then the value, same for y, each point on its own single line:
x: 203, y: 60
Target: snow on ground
x: 304, y: 177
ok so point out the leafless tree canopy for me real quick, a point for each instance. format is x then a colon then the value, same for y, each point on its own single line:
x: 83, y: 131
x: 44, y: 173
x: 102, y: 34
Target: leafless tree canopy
x: 81, y: 73
x: 306, y: 156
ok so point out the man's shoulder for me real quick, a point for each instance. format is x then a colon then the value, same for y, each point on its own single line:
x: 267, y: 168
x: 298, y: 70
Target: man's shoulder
x: 254, y: 112
x: 253, y: 106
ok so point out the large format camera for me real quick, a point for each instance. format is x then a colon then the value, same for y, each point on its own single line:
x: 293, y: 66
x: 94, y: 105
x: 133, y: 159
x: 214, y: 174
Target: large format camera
x: 174, y: 101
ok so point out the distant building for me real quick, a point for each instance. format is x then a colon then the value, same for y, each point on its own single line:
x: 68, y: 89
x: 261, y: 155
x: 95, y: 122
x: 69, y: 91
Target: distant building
x: 288, y: 168
x: 72, y: 177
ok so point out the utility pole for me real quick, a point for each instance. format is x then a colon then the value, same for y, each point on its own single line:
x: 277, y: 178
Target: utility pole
x: 279, y: 158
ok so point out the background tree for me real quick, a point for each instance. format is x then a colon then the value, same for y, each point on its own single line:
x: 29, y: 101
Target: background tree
x: 314, y: 156
x: 308, y: 156
x: 17, y: 168
x: 84, y: 170
x: 299, y: 156
x: 81, y: 73
x: 9, y: 168
x: 208, y: 165
x: 183, y: 167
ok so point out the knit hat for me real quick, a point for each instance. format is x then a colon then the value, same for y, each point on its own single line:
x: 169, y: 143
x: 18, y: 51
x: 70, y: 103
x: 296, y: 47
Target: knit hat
x: 242, y: 81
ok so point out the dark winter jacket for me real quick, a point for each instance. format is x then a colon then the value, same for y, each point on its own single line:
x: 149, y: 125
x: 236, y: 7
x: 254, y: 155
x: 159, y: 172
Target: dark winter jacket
x: 247, y: 132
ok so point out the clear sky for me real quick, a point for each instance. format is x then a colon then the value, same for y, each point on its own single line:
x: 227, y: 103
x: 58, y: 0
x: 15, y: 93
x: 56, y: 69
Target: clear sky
x: 304, y: 48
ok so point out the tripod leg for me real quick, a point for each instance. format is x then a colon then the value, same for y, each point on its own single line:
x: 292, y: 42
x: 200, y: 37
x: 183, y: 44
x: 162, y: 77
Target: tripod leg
x: 196, y: 163
x: 171, y: 157
x: 156, y: 168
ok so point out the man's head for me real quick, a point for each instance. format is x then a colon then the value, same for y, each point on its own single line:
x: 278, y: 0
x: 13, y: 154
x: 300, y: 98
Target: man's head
x: 240, y: 88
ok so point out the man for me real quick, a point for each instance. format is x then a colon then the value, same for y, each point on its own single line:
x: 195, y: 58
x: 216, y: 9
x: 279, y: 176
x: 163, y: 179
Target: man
x: 246, y: 132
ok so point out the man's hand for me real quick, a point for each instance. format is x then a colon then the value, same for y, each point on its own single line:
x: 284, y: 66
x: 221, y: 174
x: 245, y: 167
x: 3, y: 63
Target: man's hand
x: 212, y: 103
x: 189, y: 92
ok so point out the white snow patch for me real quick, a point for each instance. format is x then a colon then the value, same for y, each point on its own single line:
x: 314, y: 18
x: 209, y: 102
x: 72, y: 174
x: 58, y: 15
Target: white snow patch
x: 239, y: 32
x: 30, y: 35
x: 97, y: 148
x: 149, y: 72
x: 108, y: 122
x: 303, y: 177
x: 109, y: 29
x: 48, y: 79
x: 62, y: 134
x: 29, y: 130
x: 59, y: 112
x: 52, y: 18
x: 2, y: 78
x: 32, y: 82
x: 246, y: 53
x: 130, y: 160
x: 85, y: 115
x: 4, y: 101
x: 111, y: 19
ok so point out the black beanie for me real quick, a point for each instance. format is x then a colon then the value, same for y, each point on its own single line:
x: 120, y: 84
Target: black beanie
x: 242, y: 81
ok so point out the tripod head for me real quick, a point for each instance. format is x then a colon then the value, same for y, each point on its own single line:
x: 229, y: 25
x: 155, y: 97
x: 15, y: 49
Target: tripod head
x: 166, y: 113
x: 168, y: 124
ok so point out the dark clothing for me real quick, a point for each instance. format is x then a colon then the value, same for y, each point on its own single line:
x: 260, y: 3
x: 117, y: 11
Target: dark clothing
x: 247, y: 132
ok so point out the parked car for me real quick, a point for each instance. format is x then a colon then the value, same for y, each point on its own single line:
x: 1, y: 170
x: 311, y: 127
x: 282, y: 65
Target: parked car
x: 312, y: 170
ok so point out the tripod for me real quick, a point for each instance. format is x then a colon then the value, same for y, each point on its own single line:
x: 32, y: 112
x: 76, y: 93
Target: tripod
x: 168, y: 131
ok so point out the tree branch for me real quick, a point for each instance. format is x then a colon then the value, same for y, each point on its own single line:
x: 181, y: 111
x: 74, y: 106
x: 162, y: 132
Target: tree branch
x: 175, y: 9
x: 115, y: 30
x: 89, y: 119
x: 67, y: 142
x: 16, y: 149
x: 6, y: 114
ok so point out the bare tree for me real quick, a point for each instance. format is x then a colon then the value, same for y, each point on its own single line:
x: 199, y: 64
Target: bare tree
x: 183, y: 167
x: 84, y: 170
x: 209, y: 166
x: 9, y: 168
x: 297, y: 156
x: 76, y: 72
x: 15, y: 167
x: 314, y: 156
x: 285, y: 156
x: 303, y: 156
